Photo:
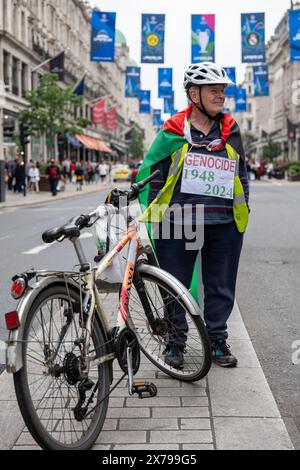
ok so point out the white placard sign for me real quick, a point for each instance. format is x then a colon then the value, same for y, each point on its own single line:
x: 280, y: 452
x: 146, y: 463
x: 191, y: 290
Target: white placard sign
x: 208, y: 175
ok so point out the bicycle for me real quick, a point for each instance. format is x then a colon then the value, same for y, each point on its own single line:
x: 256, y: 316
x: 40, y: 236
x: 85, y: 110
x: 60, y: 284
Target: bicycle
x: 61, y: 348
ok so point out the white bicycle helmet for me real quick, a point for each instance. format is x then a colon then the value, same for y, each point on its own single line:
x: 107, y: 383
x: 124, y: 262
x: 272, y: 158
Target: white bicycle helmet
x: 206, y: 73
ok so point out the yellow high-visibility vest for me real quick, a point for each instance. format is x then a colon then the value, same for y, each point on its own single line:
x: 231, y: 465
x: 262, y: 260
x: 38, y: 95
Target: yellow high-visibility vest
x: 162, y: 202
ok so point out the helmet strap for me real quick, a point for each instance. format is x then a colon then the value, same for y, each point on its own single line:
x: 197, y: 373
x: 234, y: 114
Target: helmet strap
x: 203, y: 109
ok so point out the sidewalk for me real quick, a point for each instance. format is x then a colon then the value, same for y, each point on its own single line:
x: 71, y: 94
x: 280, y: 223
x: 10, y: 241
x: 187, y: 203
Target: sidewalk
x: 18, y: 200
x: 276, y: 182
x: 231, y: 409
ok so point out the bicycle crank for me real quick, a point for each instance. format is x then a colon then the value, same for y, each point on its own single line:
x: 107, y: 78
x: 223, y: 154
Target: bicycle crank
x: 127, y: 340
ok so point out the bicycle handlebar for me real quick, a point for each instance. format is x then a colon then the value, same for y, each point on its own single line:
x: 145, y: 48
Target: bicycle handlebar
x: 76, y: 224
x: 141, y: 185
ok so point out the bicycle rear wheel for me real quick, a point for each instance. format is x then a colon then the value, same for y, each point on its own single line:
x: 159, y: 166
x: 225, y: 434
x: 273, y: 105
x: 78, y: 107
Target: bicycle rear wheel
x: 46, y: 389
x: 159, y: 295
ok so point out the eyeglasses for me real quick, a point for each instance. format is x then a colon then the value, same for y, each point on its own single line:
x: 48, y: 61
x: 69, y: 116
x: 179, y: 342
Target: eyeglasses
x: 210, y: 146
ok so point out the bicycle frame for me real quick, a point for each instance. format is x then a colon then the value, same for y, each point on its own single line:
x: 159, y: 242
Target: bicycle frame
x: 131, y: 238
x: 14, y: 360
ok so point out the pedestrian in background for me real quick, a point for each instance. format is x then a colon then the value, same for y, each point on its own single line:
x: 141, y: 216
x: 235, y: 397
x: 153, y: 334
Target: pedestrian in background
x: 79, y: 175
x: 90, y: 172
x: 34, y: 178
x: 19, y: 176
x: 103, y: 170
x: 54, y: 173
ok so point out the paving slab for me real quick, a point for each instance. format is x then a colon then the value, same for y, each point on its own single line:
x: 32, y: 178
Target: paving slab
x: 230, y: 409
x: 251, y: 434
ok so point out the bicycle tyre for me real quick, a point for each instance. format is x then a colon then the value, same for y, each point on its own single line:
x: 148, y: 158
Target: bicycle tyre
x: 198, y: 356
x: 33, y: 417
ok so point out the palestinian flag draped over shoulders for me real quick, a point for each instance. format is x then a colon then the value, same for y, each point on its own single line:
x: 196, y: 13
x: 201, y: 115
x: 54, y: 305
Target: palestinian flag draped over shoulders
x: 170, y: 139
x: 174, y: 135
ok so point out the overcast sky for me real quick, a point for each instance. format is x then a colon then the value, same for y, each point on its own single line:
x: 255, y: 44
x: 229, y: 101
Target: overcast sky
x: 178, y: 33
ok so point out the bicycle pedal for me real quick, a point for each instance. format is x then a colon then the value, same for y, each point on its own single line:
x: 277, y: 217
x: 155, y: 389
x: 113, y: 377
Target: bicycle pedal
x: 144, y: 390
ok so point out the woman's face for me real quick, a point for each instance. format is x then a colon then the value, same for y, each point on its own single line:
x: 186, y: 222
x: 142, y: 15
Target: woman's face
x: 213, y: 98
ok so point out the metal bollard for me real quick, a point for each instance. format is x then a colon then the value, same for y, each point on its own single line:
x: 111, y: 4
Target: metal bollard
x: 2, y: 184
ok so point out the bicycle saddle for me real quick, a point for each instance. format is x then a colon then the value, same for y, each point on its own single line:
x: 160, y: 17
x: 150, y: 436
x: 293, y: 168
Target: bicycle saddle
x: 69, y: 230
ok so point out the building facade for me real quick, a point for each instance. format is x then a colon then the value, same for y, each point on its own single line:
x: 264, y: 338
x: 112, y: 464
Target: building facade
x: 276, y: 116
x: 32, y: 31
x: 247, y: 119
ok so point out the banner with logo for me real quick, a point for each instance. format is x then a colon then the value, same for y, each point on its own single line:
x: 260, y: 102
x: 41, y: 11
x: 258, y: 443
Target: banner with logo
x: 203, y: 38
x: 98, y: 112
x: 103, y: 37
x: 169, y: 104
x: 241, y: 100
x: 133, y: 82
x: 110, y: 121
x: 253, y: 38
x: 165, y: 82
x: 153, y: 39
x: 156, y: 117
x: 145, y: 101
x: 261, y: 80
x: 294, y: 19
x: 231, y: 91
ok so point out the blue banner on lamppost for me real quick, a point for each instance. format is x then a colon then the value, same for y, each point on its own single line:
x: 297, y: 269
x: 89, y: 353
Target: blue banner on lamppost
x: 133, y: 82
x: 261, y: 80
x: 241, y: 100
x: 294, y: 19
x: 153, y: 39
x: 145, y: 101
x: 169, y: 103
x: 156, y: 117
x: 253, y: 38
x: 103, y: 36
x: 203, y: 38
x: 230, y: 91
x: 165, y: 82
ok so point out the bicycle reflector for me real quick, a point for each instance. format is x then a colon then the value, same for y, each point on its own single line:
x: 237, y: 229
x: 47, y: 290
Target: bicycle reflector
x: 12, y: 321
x: 18, y: 287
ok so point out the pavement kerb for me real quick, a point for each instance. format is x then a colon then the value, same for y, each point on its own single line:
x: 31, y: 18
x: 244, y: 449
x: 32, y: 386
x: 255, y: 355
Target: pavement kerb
x: 240, y: 408
x: 276, y: 182
x: 50, y: 198
x: 244, y: 412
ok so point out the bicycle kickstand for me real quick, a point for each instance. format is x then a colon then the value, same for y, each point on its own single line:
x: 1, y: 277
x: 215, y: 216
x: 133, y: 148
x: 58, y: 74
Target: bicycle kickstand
x: 141, y: 388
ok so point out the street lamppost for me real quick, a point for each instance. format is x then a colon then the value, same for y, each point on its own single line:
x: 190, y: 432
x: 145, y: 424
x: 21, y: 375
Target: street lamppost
x: 2, y: 103
x: 2, y: 163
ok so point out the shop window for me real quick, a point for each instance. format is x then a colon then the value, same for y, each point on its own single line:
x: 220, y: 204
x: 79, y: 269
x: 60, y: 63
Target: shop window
x: 15, y: 76
x: 6, y: 68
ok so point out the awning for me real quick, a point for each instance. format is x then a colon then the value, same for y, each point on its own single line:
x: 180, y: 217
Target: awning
x: 73, y: 140
x: 93, y: 144
x: 119, y: 149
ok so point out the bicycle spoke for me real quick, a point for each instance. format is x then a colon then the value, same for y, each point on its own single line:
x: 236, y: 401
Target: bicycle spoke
x: 54, y: 399
x: 164, y: 307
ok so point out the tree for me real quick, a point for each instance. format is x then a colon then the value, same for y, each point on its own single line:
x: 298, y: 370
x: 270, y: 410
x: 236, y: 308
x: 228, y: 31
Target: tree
x: 248, y: 142
x: 136, y: 147
x: 50, y: 110
x: 271, y: 150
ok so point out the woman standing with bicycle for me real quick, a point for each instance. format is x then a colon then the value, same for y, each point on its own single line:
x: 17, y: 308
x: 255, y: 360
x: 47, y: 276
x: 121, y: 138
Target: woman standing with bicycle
x: 206, y: 184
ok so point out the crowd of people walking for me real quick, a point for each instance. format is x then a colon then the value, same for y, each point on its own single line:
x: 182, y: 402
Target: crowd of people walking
x: 18, y: 175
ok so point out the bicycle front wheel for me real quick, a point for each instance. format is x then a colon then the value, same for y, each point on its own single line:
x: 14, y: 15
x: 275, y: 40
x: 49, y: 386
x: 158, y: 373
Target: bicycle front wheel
x: 163, y: 314
x: 47, y: 387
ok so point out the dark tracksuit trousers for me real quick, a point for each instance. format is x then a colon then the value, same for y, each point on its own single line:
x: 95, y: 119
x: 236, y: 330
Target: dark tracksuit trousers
x: 220, y: 260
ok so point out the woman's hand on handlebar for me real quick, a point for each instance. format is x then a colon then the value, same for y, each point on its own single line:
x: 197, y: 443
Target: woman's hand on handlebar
x: 131, y: 194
